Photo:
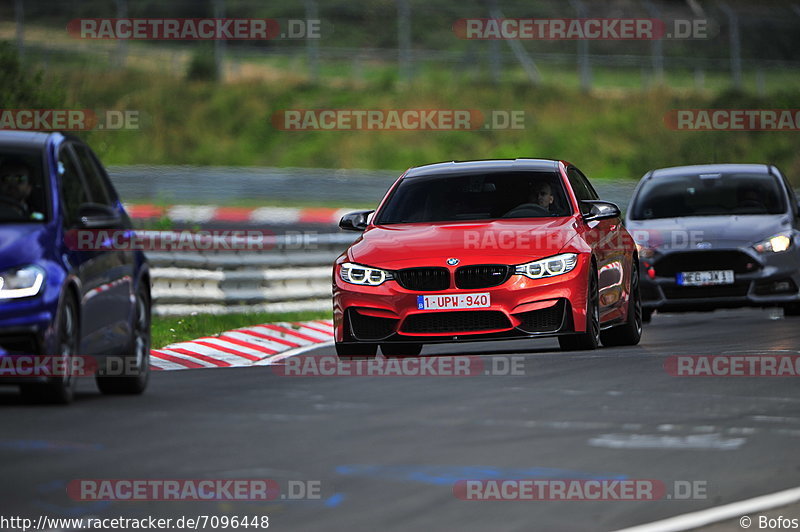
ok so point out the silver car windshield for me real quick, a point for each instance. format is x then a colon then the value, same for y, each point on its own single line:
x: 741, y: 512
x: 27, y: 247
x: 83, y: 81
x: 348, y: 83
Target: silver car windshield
x: 709, y: 195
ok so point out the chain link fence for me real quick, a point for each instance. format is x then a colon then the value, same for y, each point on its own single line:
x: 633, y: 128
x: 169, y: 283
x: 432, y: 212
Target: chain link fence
x: 399, y: 40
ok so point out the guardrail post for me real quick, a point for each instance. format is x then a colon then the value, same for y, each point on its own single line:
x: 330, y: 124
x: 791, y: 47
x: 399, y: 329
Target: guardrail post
x: 404, y: 40
x: 121, y: 53
x: 699, y: 78
x: 495, y: 59
x: 519, y: 51
x: 656, y: 45
x: 219, y: 44
x: 19, y: 18
x: 736, y: 45
x: 312, y: 46
x: 583, y: 50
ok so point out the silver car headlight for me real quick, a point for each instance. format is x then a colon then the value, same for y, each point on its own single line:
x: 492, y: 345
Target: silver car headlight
x: 364, y: 275
x: 775, y: 244
x: 549, y: 267
x: 26, y: 281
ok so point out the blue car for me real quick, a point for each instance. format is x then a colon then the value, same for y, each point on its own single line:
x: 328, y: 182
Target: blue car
x: 58, y: 301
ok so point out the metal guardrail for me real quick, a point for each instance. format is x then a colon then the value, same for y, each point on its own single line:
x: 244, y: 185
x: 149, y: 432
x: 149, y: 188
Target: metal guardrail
x: 285, y: 277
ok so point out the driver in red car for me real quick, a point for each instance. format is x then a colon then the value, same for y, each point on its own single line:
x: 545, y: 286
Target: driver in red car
x: 539, y: 198
x: 542, y: 195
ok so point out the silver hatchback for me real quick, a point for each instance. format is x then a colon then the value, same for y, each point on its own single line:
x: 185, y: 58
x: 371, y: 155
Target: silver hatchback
x: 717, y: 236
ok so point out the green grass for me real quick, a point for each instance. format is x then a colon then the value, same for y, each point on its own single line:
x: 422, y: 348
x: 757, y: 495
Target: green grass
x: 616, y: 131
x: 617, y: 135
x: 169, y: 330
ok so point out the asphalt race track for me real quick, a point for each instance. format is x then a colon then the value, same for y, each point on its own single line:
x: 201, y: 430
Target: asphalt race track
x: 388, y: 450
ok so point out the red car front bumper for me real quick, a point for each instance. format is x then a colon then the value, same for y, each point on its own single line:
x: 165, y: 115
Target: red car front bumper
x: 520, y: 307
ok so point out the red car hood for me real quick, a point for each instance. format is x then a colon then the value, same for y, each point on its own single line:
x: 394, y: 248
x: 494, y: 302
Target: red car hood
x: 431, y: 244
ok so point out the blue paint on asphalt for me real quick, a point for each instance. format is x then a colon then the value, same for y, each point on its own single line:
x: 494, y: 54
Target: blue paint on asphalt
x: 444, y: 475
x: 59, y: 487
x: 72, y: 511
x: 334, y: 500
x: 49, y: 487
x: 47, y: 445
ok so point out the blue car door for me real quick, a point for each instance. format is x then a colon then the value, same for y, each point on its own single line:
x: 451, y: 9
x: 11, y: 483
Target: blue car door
x: 104, y: 272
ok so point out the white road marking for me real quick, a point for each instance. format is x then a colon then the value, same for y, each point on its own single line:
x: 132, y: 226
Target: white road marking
x: 275, y: 359
x: 659, y: 441
x: 159, y: 363
x: 776, y: 419
x: 720, y: 513
x: 210, y: 352
x: 236, y: 347
x: 760, y: 352
x: 283, y: 215
x: 250, y: 339
x: 191, y: 213
x: 278, y: 334
x: 189, y: 358
x: 313, y: 333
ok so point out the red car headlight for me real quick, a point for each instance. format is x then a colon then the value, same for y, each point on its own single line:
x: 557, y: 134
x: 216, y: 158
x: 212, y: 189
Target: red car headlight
x: 549, y: 267
x: 363, y: 275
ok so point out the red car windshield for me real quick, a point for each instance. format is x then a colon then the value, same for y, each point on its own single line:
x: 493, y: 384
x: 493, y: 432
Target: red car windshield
x: 470, y: 197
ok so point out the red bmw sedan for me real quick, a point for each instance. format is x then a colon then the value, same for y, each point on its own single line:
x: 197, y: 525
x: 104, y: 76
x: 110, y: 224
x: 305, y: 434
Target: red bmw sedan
x: 487, y: 250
